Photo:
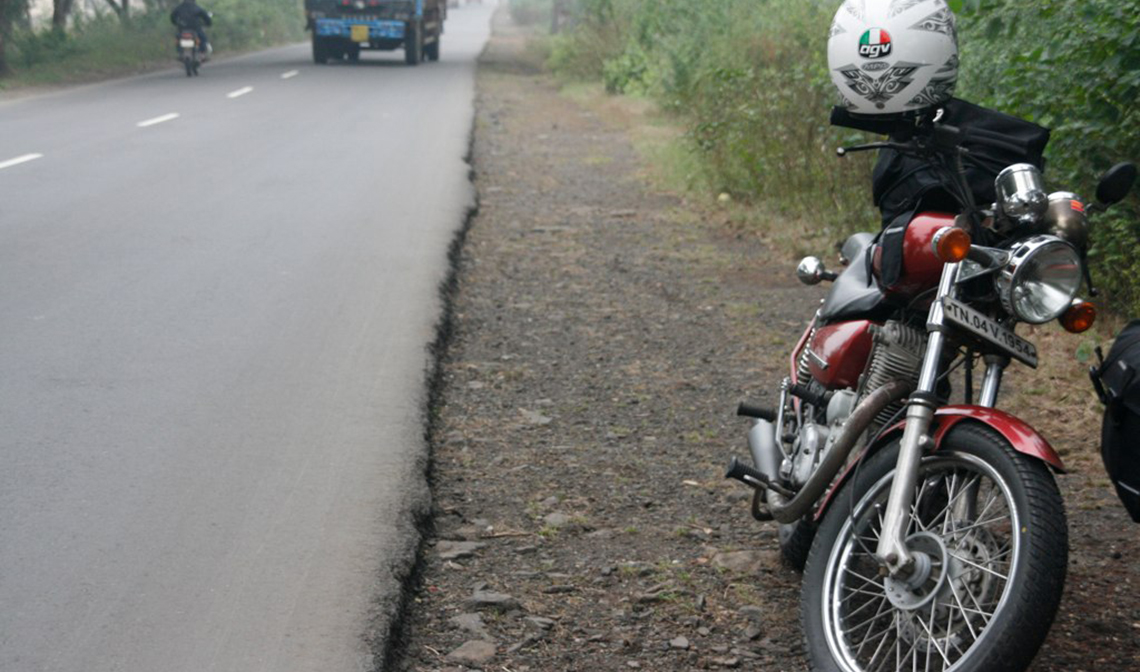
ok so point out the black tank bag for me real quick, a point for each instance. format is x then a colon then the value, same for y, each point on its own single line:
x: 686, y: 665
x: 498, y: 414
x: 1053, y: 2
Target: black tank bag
x: 1117, y: 381
x: 903, y: 185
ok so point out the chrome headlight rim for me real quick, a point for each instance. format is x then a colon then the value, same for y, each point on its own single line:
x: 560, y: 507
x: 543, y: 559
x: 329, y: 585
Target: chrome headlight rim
x: 1011, y: 277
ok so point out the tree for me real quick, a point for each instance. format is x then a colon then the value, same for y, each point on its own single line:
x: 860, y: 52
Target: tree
x: 61, y: 9
x: 122, y: 9
x: 11, y: 11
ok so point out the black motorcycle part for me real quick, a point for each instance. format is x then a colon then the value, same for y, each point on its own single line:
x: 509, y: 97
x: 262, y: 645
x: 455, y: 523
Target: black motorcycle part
x: 816, y: 398
x: 739, y: 471
x: 752, y: 477
x: 795, y: 542
x: 903, y: 185
x: 746, y: 410
x: 994, y: 140
x: 1119, y: 378
x: 856, y: 294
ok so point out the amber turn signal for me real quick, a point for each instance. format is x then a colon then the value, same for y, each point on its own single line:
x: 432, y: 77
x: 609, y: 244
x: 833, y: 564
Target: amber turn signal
x: 951, y: 244
x: 1079, y: 318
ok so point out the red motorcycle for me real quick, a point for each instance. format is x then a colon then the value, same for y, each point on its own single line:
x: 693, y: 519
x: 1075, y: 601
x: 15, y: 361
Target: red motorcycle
x: 927, y: 521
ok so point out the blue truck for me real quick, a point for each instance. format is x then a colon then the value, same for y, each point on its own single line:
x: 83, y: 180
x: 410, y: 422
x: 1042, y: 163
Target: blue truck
x: 341, y: 28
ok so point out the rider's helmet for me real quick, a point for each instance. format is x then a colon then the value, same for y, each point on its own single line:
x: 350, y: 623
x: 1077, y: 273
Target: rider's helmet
x: 893, y: 56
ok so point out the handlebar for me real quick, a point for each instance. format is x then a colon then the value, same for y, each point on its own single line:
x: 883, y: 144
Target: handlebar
x: 897, y: 146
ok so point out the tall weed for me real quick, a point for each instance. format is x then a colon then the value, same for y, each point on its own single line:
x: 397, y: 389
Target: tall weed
x: 749, y: 81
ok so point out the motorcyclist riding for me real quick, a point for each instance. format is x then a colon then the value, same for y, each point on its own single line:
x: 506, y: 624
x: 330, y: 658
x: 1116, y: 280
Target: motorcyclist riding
x: 189, y: 16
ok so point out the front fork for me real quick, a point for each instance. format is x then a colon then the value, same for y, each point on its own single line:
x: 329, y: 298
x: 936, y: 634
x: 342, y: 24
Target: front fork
x: 892, y: 548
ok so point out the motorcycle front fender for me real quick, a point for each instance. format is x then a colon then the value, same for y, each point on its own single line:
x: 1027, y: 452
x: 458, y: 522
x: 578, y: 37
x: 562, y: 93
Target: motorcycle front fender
x: 1020, y: 434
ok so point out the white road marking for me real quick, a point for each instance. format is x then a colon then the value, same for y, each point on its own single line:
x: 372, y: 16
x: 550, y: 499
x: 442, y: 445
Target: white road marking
x: 291, y: 74
x: 159, y: 120
x: 20, y: 159
x: 239, y: 92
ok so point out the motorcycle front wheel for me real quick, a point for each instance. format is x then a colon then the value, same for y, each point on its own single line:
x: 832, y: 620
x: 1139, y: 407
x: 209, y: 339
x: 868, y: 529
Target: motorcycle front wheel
x: 988, y: 532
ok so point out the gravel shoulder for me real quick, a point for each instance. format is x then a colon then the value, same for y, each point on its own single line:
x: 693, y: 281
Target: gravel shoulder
x: 603, y: 333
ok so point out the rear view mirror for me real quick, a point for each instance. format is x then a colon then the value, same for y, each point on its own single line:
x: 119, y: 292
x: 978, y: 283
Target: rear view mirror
x: 1116, y: 183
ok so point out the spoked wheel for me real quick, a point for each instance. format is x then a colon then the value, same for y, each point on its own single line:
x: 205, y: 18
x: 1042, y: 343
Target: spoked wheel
x: 988, y: 534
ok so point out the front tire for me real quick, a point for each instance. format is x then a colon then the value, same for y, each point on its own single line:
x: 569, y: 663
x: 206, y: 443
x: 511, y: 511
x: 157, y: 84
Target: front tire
x: 991, y: 525
x: 320, y: 51
x: 414, y: 44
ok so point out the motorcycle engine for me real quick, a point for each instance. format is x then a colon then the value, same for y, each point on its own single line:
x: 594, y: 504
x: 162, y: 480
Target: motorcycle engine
x: 814, y: 439
x: 896, y: 354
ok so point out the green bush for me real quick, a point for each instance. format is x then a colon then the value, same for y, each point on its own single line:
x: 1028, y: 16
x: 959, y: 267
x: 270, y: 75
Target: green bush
x: 749, y: 80
x: 1074, y: 67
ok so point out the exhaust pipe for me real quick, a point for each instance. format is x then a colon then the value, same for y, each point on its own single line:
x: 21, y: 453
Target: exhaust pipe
x: 789, y: 511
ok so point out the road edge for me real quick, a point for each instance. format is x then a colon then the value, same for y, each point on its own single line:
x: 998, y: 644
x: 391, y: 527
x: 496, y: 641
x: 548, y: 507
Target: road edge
x: 389, y: 648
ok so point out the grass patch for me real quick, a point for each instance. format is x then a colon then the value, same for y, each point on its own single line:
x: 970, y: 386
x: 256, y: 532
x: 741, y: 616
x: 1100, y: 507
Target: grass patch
x: 101, y: 47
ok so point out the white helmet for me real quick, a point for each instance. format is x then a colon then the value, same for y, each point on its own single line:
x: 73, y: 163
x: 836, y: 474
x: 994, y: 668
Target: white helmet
x: 892, y: 56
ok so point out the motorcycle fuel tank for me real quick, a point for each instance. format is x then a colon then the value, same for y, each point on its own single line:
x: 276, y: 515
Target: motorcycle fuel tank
x: 921, y: 268
x: 838, y: 353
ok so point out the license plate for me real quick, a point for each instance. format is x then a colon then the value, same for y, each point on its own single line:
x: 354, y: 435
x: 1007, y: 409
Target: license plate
x: 990, y: 331
x: 187, y: 44
x: 360, y: 33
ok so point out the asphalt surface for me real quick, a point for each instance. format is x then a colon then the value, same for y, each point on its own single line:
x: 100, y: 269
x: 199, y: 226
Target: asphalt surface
x: 213, y: 332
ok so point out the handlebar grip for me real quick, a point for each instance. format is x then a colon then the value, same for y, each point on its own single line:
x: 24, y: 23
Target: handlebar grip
x: 746, y: 410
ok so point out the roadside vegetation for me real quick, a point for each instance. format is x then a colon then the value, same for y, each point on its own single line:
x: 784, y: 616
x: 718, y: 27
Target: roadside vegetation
x: 748, y: 82
x: 127, y: 36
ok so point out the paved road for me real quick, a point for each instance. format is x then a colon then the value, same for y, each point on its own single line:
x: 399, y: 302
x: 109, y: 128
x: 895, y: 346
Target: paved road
x: 212, y: 352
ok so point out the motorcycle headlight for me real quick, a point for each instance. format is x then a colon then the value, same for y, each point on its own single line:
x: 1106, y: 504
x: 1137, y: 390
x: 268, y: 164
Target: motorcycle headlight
x: 1041, y: 279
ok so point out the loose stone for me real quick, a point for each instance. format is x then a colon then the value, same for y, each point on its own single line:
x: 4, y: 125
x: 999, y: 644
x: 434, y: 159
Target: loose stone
x: 458, y: 550
x: 472, y: 623
x: 474, y: 652
x: 487, y: 600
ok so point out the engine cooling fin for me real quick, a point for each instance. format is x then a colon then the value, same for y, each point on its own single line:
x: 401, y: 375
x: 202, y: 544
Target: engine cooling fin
x: 896, y: 355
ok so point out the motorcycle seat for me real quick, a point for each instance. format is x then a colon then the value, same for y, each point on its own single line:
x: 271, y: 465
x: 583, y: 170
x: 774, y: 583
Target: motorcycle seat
x: 855, y: 294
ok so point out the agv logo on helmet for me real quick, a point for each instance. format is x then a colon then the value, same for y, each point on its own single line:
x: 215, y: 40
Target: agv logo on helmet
x: 875, y: 43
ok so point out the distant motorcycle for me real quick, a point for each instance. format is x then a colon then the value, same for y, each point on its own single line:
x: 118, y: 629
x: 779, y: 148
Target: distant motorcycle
x: 933, y: 532
x: 189, y: 51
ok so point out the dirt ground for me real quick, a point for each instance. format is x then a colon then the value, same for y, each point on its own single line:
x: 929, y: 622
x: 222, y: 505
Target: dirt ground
x: 604, y: 334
